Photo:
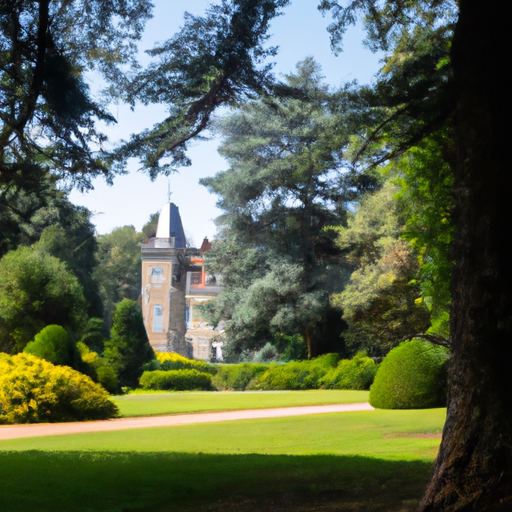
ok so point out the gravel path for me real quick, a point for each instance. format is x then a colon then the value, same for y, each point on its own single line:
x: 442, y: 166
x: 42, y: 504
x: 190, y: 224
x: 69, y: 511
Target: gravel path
x: 56, y: 429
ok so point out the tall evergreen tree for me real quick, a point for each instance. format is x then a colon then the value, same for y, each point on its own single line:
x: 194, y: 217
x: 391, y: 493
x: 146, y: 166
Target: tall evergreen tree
x: 281, y: 190
x: 128, y: 348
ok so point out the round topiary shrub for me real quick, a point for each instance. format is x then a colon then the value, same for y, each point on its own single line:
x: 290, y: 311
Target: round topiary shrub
x: 412, y: 376
x: 53, y: 344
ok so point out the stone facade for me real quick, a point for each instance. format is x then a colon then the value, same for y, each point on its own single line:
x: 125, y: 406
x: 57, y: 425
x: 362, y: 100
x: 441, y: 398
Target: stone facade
x: 174, y: 283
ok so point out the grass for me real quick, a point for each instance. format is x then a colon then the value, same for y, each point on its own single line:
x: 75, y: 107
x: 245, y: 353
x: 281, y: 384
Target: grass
x: 175, y: 403
x: 376, y: 461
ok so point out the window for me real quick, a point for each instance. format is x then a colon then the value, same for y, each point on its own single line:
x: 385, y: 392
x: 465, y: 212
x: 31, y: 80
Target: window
x: 157, y: 275
x: 195, y: 278
x: 158, y: 314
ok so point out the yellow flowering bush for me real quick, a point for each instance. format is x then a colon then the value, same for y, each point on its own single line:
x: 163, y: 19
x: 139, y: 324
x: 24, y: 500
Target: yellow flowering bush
x: 172, y: 357
x: 33, y: 390
x: 174, y: 361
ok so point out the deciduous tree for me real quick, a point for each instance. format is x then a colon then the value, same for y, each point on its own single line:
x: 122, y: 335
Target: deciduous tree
x: 118, y: 271
x: 36, y: 290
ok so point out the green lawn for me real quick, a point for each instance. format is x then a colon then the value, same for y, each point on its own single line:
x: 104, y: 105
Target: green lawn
x: 376, y: 461
x: 175, y: 403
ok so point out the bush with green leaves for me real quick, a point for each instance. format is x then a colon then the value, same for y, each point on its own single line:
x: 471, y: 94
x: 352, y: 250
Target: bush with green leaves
x: 33, y: 390
x: 356, y: 373
x: 237, y: 377
x: 297, y: 375
x: 52, y: 344
x: 412, y: 376
x: 292, y: 348
x: 266, y: 354
x: 36, y: 290
x: 176, y: 380
x: 97, y: 368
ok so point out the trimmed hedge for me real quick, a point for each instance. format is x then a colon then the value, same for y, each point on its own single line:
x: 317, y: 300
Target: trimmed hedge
x: 176, y: 380
x: 412, y: 376
x: 356, y: 373
x: 237, y: 377
x: 33, y: 390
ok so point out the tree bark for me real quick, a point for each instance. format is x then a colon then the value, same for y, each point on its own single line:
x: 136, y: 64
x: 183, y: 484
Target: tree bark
x: 473, y: 471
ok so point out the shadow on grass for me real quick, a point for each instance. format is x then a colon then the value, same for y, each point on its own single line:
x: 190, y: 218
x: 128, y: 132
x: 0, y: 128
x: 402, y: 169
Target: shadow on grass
x: 163, y: 482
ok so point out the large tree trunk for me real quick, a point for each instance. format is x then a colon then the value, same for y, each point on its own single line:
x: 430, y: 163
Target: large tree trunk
x: 473, y: 471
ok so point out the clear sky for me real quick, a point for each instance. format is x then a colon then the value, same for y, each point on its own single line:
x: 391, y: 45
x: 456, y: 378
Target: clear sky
x: 300, y: 32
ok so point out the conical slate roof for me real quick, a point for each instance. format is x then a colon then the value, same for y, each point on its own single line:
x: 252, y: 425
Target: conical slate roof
x: 170, y: 226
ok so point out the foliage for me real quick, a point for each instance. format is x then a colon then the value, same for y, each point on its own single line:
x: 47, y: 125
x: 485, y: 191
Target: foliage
x: 426, y: 201
x: 356, y: 373
x: 119, y: 268
x: 149, y: 229
x: 92, y: 334
x: 54, y: 345
x: 76, y: 247
x: 281, y: 189
x: 413, y: 94
x: 97, y: 368
x: 292, y: 375
x: 174, y: 361
x: 266, y: 354
x: 236, y: 377
x: 48, y: 116
x: 36, y: 290
x: 291, y: 348
x: 297, y: 375
x: 176, y: 380
x: 381, y: 301
x: 213, y: 61
x: 412, y: 376
x: 128, y: 348
x: 327, y: 360
x: 61, y: 228
x: 107, y: 377
x: 33, y: 390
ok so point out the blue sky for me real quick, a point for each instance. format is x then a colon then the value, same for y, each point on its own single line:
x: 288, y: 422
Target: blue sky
x: 300, y: 32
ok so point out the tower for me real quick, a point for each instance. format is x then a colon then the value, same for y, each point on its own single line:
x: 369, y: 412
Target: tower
x: 163, y: 283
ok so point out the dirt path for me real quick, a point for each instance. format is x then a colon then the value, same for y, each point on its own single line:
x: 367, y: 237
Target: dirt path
x: 56, y: 429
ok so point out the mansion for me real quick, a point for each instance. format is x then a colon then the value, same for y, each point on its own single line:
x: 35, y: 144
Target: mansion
x: 174, y: 284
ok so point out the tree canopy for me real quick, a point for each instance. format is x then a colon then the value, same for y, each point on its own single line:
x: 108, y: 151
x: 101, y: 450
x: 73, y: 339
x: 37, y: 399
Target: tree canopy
x: 36, y: 290
x: 49, y: 119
